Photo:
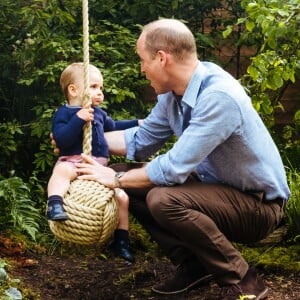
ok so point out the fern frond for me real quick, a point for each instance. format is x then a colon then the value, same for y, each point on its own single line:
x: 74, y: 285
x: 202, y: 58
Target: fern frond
x: 18, y: 208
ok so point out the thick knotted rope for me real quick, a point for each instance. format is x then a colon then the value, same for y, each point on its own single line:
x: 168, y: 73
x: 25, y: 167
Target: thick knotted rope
x: 91, y: 207
x: 92, y: 214
x: 87, y: 131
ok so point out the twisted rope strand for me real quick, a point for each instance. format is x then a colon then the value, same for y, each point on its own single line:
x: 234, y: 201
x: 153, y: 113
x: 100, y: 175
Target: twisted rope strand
x: 87, y: 130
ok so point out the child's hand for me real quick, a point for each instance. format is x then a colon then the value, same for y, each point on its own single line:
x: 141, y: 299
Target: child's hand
x: 86, y: 114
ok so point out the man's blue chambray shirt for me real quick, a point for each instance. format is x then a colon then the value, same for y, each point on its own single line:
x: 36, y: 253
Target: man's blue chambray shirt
x: 225, y: 140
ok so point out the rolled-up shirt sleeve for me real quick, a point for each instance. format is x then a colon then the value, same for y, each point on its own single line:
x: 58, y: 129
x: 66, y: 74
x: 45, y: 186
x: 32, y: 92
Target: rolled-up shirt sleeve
x: 130, y: 142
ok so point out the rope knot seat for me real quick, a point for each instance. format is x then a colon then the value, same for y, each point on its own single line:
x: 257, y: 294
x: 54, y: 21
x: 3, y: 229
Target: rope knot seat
x: 91, y: 207
x: 92, y: 214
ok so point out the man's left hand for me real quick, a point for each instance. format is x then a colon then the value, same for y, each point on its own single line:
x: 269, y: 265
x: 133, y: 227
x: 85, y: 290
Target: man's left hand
x: 89, y: 169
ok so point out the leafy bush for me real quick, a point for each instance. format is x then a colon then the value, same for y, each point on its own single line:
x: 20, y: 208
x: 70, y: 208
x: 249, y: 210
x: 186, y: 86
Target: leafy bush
x: 10, y: 142
x: 293, y: 208
x: 17, y: 210
x: 272, y: 27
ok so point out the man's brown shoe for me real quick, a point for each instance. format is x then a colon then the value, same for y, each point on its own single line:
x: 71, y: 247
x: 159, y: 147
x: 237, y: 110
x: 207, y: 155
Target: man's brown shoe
x: 250, y: 287
x: 185, y: 279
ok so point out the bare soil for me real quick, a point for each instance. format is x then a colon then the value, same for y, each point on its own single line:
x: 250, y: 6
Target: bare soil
x: 90, y: 274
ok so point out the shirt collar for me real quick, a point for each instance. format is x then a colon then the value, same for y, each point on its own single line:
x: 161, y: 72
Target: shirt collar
x: 192, y: 90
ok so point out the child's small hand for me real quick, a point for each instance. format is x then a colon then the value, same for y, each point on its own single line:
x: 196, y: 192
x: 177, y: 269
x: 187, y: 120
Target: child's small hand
x: 86, y: 114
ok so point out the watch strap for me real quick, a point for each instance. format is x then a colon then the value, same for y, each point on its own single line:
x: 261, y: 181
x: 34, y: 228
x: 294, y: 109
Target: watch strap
x: 117, y: 177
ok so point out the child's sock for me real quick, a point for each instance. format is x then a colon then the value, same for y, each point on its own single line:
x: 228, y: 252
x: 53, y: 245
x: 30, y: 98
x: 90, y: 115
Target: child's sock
x: 55, y: 199
x: 121, y: 234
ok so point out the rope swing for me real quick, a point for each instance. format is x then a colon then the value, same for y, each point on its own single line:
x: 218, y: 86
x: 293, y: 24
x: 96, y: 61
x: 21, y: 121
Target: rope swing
x: 91, y: 207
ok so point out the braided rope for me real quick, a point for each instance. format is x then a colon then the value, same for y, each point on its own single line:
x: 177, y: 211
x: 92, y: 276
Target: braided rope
x: 87, y: 130
x: 91, y: 207
x: 92, y: 214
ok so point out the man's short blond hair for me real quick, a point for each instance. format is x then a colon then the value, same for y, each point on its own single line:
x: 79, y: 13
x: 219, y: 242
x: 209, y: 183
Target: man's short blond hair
x: 171, y: 36
x: 73, y: 74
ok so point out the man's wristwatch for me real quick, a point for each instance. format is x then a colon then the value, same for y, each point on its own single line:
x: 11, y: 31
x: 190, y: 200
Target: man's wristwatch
x: 118, y: 175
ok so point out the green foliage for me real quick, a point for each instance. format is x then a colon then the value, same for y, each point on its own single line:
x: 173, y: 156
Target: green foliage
x: 7, y: 136
x: 291, y: 147
x: 9, y: 133
x: 279, y: 257
x: 7, y: 284
x: 130, y: 12
x: 274, y: 26
x: 17, y: 210
x: 44, y: 158
x: 111, y: 49
x: 292, y: 213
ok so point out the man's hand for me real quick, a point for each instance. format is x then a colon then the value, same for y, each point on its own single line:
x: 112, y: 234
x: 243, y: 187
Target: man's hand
x: 92, y: 170
x: 53, y: 143
x: 133, y: 178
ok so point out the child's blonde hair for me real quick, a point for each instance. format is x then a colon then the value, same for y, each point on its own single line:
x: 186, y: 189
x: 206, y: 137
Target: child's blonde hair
x: 72, y: 74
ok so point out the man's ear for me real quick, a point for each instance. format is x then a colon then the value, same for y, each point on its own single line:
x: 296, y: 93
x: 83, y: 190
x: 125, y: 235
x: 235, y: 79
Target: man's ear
x: 162, y: 56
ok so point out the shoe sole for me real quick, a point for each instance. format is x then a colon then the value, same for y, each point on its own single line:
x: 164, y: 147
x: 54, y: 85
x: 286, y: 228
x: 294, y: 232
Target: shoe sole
x: 58, y: 219
x: 194, y: 284
x: 262, y: 295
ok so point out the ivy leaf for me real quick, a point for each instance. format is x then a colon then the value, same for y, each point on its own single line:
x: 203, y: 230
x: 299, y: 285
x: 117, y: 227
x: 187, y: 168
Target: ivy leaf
x: 275, y: 81
x: 250, y: 25
x: 253, y: 72
x: 227, y: 31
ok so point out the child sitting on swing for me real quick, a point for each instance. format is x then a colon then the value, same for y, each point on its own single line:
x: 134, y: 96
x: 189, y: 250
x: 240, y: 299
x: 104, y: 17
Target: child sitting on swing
x: 67, y: 129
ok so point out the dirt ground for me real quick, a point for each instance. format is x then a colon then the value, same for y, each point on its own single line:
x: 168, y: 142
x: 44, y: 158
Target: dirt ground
x: 77, y: 274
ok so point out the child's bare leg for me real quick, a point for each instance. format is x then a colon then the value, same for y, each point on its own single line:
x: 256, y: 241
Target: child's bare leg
x: 63, y: 173
x: 123, y: 201
x: 120, y: 245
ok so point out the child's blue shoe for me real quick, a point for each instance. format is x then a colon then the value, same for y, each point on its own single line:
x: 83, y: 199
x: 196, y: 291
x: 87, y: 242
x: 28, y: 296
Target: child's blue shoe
x: 56, y: 212
x: 121, y: 248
